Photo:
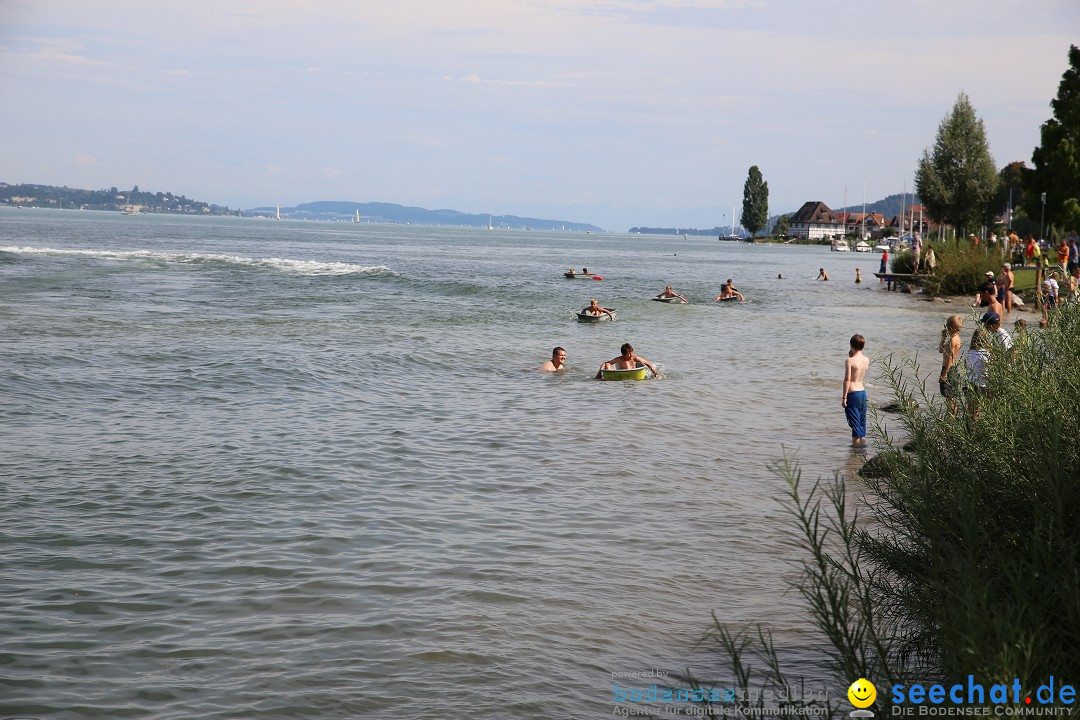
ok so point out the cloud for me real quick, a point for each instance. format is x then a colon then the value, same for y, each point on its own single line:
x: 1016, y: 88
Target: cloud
x: 56, y: 50
x: 333, y: 72
x: 55, y: 55
x: 333, y: 172
x: 85, y: 160
x: 178, y: 72
x: 464, y: 32
x: 643, y: 9
x: 475, y: 79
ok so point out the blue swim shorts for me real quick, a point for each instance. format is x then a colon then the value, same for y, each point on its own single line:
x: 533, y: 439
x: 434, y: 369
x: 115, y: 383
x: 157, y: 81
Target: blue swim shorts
x: 856, y: 413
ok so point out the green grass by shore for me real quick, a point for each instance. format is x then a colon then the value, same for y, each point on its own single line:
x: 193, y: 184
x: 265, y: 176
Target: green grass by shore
x: 1024, y: 279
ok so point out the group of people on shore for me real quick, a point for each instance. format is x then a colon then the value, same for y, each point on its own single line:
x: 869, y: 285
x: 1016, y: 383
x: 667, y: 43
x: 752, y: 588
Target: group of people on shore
x: 973, y: 362
x: 996, y: 292
x: 927, y: 261
x: 1030, y: 251
x: 976, y: 359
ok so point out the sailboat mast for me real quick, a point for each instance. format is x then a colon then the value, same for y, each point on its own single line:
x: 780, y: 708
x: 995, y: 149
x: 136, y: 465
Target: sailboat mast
x: 847, y: 211
x: 903, y: 199
x: 863, y: 210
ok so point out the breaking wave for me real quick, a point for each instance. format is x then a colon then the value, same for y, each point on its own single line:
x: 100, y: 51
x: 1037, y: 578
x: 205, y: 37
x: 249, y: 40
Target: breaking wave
x: 295, y: 267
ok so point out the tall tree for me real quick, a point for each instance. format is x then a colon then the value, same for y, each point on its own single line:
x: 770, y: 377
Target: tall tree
x: 956, y: 179
x: 1057, y: 158
x: 755, y: 202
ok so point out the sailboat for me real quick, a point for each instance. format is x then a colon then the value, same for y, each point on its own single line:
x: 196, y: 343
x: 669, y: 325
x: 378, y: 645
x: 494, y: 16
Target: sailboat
x: 277, y: 215
x: 357, y: 216
x: 489, y: 222
x: 734, y: 235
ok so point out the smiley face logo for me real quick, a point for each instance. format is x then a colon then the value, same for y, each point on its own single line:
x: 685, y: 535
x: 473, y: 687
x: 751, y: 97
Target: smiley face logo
x: 862, y: 693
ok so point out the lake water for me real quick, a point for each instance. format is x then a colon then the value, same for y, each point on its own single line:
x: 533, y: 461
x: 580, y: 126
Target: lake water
x: 257, y: 469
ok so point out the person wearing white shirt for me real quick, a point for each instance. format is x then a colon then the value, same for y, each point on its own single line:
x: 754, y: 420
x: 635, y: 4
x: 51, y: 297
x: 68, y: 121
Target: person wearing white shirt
x: 992, y: 322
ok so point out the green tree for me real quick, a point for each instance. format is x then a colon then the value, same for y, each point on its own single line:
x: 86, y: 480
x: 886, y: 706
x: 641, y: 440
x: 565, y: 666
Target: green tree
x: 1057, y: 158
x: 755, y: 202
x: 781, y: 229
x: 956, y: 179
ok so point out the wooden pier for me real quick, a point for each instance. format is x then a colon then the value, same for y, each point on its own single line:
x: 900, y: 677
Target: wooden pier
x: 894, y: 279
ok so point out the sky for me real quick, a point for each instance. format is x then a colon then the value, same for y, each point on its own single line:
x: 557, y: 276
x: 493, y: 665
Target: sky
x: 612, y: 112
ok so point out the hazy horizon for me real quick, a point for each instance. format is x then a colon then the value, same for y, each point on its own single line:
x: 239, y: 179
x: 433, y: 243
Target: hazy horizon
x: 611, y: 112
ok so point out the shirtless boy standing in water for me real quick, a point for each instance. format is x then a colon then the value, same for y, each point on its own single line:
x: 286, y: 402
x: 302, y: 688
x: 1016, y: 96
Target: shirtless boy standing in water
x: 854, y: 399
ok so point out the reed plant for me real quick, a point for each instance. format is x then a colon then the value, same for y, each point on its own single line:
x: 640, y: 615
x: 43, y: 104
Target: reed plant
x: 902, y: 262
x: 961, y: 554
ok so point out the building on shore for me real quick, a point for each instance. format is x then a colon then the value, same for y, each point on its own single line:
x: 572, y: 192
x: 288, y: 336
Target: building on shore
x: 815, y: 221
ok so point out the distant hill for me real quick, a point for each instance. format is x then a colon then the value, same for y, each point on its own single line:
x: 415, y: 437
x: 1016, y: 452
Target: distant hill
x: 889, y: 206
x: 50, y: 196
x: 393, y: 213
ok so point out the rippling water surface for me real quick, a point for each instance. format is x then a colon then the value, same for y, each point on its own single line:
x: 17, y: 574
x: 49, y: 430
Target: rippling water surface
x: 258, y: 469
